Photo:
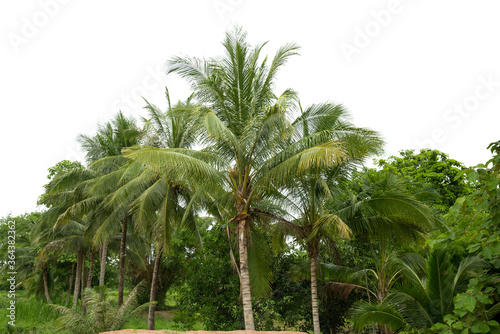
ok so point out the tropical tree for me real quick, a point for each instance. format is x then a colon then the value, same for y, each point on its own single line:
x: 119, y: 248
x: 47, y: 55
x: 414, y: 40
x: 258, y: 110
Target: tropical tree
x: 306, y: 196
x: 61, y: 193
x: 385, y: 210
x: 165, y: 204
x: 102, y: 313
x: 34, y: 278
x: 389, y: 213
x: 110, y: 139
x: 430, y: 168
x: 250, y: 145
x: 474, y: 222
x: 423, y: 295
x: 154, y: 203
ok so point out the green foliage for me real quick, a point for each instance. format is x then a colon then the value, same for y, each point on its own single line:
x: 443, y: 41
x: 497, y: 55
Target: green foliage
x: 102, y: 313
x: 285, y: 309
x: 473, y: 312
x: 111, y: 138
x: 430, y: 169
x: 380, y: 313
x: 184, y: 321
x: 171, y: 270
x: 422, y: 295
x: 211, y: 287
x: 62, y: 167
x: 32, y: 315
x: 475, y: 309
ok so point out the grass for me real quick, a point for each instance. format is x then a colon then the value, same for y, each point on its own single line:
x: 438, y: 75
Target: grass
x: 167, y: 320
x: 34, y: 316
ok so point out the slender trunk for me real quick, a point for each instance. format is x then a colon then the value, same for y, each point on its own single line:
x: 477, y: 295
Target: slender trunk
x: 314, y: 295
x: 366, y: 278
x: 382, y: 284
x: 121, y: 278
x: 45, y: 282
x: 77, y: 279
x: 89, y: 279
x: 104, y: 256
x: 84, y: 278
x: 82, y: 281
x: 366, y: 285
x: 246, y: 294
x: 152, y: 296
x: 91, y: 270
x: 70, y: 284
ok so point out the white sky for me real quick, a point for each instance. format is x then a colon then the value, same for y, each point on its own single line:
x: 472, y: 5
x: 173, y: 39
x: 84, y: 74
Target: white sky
x: 422, y: 73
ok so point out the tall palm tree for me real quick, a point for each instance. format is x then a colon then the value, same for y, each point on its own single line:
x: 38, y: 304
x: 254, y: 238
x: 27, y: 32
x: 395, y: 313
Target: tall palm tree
x: 155, y: 204
x: 250, y: 147
x: 164, y: 204
x: 111, y: 138
x: 61, y: 193
x: 305, y: 197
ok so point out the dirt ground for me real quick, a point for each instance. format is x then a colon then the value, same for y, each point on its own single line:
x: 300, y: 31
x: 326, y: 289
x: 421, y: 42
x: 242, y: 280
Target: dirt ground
x: 144, y: 331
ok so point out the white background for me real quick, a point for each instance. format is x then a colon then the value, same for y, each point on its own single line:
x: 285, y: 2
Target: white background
x: 403, y: 68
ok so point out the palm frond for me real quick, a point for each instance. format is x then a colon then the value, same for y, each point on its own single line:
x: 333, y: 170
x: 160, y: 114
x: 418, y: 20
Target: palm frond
x: 365, y: 314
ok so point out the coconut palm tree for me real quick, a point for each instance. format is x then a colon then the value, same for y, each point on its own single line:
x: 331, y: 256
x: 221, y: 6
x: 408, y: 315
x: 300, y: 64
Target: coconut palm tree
x: 155, y: 204
x: 305, y: 197
x: 109, y: 140
x: 250, y: 147
x: 163, y: 204
x: 61, y: 193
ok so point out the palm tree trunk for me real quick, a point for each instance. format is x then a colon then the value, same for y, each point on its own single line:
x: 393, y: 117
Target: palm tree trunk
x: 82, y: 281
x: 104, y: 256
x: 91, y: 270
x: 45, y: 282
x: 152, y: 296
x: 77, y: 279
x: 70, y: 284
x: 314, y: 294
x: 246, y: 294
x: 366, y: 277
x: 366, y: 284
x: 382, y: 283
x: 121, y: 278
x: 89, y: 279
